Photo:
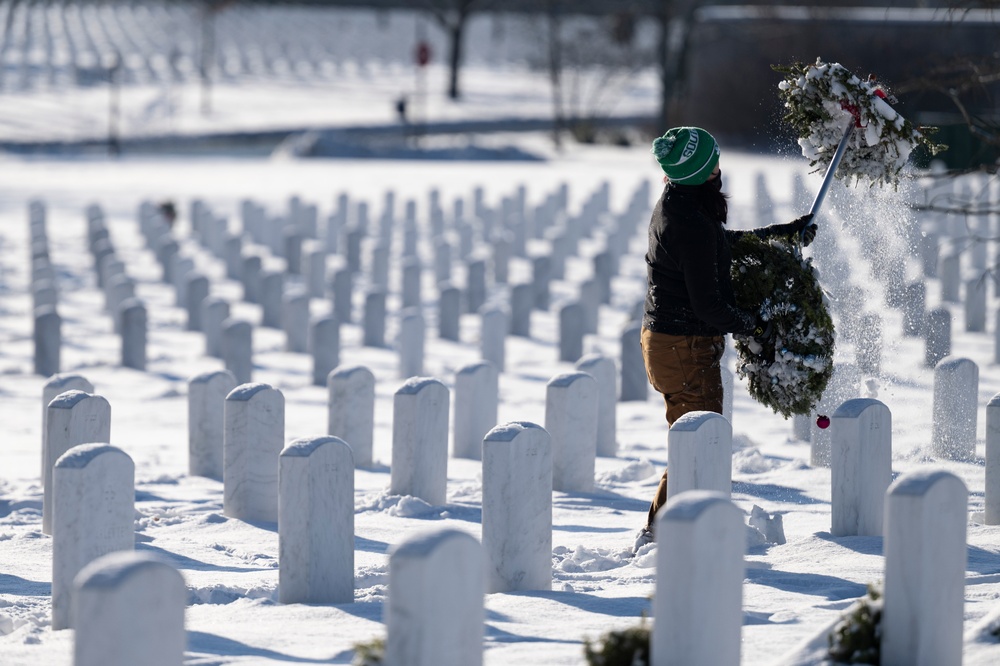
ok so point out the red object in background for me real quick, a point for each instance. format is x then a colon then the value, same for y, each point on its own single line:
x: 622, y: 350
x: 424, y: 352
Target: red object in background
x: 823, y: 421
x: 422, y: 54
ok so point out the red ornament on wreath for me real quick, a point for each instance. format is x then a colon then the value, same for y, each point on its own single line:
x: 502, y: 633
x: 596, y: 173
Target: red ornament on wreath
x: 823, y: 422
x: 422, y: 54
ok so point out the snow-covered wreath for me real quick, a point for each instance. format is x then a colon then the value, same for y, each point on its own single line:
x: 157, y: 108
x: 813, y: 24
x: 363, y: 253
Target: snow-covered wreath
x: 790, y: 370
x: 821, y: 98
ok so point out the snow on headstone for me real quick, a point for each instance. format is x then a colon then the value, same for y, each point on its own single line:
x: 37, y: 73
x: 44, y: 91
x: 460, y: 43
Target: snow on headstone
x: 861, y: 467
x: 475, y: 412
x: 324, y: 345
x: 206, y: 425
x: 74, y: 418
x: 634, y: 383
x: 128, y: 608
x: 925, y: 560
x: 47, y: 334
x: 411, y: 343
x: 253, y: 438
x: 698, y: 604
x: 434, y: 613
x: 603, y: 370
x: 55, y: 385
x: 956, y: 403
x: 571, y: 421
x: 94, y: 514
x: 420, y: 440
x: 237, y: 349
x: 700, y: 454
x: 517, y: 507
x: 316, y: 522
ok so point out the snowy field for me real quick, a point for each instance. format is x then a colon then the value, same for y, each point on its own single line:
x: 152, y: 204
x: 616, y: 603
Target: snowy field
x: 791, y: 591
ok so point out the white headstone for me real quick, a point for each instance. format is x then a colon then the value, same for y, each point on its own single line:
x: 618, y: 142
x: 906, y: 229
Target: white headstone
x: 956, y: 404
x: 128, y: 608
x: 951, y: 277
x: 698, y: 604
x: 206, y: 424
x: 295, y: 321
x: 214, y: 311
x: 411, y: 343
x: 316, y: 522
x: 571, y: 331
x: 271, y: 297
x: 449, y: 312
x: 475, y: 285
x: 434, y: 613
x: 254, y: 437
x: 420, y: 440
x: 571, y: 421
x: 54, y: 386
x: 937, y: 336
x: 48, y: 340
x: 132, y: 314
x: 237, y: 349
x: 196, y: 289
x: 992, y: 490
x: 522, y: 300
x: 493, y: 336
x: 74, y: 418
x: 412, y: 278
x: 324, y: 344
x: 925, y: 560
x: 476, y: 400
x: 374, y: 319
x: 517, y: 507
x: 94, y: 514
x: 700, y: 454
x: 635, y: 383
x: 351, y: 409
x: 541, y: 276
x: 342, y: 288
x: 603, y: 370
x: 975, y: 305
x: 861, y: 467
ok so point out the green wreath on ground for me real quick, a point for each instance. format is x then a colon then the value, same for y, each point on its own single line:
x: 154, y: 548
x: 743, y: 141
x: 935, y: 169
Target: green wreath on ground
x: 789, y: 370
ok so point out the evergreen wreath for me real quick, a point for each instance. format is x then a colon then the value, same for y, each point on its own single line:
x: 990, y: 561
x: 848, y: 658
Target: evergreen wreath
x: 857, y: 637
x: 789, y: 370
x: 823, y: 97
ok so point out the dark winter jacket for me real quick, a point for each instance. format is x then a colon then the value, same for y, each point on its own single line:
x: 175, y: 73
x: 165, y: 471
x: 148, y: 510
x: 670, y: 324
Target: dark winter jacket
x: 688, y: 269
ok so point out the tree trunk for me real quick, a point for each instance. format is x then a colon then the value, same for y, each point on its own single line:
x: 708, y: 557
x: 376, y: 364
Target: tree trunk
x: 456, y: 31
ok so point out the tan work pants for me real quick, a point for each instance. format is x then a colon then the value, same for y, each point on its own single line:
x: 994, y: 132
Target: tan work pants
x: 686, y: 370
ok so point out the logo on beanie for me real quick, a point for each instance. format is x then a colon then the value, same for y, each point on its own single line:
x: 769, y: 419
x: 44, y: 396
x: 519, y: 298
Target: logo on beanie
x: 690, y: 148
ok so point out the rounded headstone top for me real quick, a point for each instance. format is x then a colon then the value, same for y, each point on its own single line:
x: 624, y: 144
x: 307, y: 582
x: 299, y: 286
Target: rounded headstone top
x: 473, y: 368
x: 507, y: 432
x: 82, y: 455
x: 55, y: 381
x: 113, y: 569
x: 415, y: 385
x: 206, y: 377
x: 131, y: 303
x: 952, y: 362
x: 994, y: 401
x: 688, y: 506
x: 247, y: 391
x: 68, y: 399
x: 232, y: 323
x: 852, y: 409
x: 424, y: 543
x: 591, y: 360
x: 920, y: 481
x: 567, y: 379
x: 694, y: 420
x: 347, y: 371
x: 304, y: 447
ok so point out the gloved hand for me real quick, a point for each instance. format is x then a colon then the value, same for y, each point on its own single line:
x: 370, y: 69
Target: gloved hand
x: 763, y: 330
x: 802, y: 227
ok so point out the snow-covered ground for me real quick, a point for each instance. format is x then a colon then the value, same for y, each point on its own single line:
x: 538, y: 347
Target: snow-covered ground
x: 791, y: 591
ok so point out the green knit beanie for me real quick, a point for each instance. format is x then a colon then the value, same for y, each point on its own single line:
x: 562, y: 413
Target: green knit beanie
x: 688, y: 155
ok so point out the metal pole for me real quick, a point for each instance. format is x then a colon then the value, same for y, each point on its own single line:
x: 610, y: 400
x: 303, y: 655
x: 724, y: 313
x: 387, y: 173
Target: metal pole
x: 832, y: 168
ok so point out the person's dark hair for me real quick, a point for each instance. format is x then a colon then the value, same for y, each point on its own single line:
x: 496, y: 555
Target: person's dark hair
x: 709, y: 197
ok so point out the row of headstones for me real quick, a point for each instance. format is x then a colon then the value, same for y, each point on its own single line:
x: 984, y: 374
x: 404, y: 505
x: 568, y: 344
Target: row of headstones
x: 701, y: 530
x: 43, y: 287
x: 955, y: 400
